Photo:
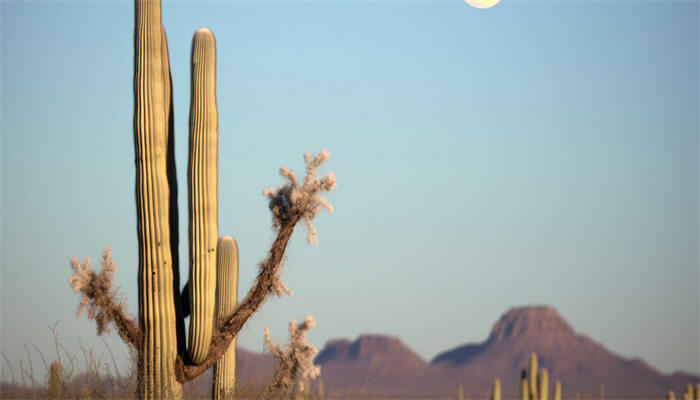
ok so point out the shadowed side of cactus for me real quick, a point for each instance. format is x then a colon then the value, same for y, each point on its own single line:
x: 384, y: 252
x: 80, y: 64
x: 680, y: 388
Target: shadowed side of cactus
x: 202, y: 181
x: 157, y: 313
x: 226, y: 298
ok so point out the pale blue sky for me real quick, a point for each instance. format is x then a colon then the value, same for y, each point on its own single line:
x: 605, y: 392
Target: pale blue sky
x: 534, y: 152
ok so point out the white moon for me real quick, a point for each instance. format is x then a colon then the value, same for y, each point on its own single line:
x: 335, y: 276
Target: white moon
x: 482, y: 3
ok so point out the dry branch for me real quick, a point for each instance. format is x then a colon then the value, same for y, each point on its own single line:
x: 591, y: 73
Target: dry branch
x: 289, y: 204
x: 104, y: 304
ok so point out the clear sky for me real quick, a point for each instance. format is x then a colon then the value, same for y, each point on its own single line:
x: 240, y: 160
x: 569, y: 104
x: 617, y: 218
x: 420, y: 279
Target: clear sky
x: 532, y: 153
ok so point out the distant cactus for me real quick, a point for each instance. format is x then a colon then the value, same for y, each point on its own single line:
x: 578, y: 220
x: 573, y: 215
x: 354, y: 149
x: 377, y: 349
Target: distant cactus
x: 496, y: 391
x: 524, y: 386
x: 688, y: 395
x: 557, y: 390
x: 671, y: 395
x: 543, y: 382
x: 460, y: 391
x: 533, y: 377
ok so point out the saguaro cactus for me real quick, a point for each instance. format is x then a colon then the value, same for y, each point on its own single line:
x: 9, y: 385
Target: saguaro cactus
x: 496, y: 391
x: 533, y: 377
x: 226, y: 295
x: 524, y: 386
x: 557, y: 390
x: 543, y: 383
x: 158, y: 334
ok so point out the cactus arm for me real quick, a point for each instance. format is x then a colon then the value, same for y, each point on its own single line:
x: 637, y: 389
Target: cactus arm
x: 155, y: 276
x: 202, y: 182
x: 226, y: 297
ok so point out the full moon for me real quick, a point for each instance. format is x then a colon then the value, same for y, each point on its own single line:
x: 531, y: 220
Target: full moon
x: 482, y: 3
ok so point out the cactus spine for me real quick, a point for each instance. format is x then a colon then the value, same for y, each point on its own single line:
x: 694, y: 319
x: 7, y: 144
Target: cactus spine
x: 202, y: 183
x: 226, y: 297
x: 533, y: 377
x: 154, y: 170
x: 496, y: 395
x: 543, y: 384
x: 557, y: 390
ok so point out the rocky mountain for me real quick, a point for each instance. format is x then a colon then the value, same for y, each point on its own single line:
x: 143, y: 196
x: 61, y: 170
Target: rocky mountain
x: 379, y: 365
x: 581, y: 363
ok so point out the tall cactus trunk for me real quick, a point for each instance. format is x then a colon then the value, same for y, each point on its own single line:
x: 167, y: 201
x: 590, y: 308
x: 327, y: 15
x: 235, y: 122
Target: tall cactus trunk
x: 157, y: 274
x: 226, y: 299
x: 202, y: 182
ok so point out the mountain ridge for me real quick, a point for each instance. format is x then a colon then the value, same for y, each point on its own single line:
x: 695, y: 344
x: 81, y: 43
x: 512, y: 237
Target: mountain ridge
x: 382, y: 365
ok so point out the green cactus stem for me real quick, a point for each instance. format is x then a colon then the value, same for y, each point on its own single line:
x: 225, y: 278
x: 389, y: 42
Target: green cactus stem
x: 152, y: 138
x: 202, y: 181
x: 226, y: 299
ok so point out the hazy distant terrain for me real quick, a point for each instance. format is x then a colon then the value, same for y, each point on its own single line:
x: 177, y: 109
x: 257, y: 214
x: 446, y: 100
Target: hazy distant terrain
x: 382, y: 365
